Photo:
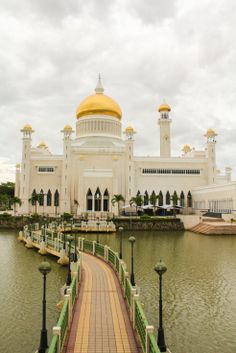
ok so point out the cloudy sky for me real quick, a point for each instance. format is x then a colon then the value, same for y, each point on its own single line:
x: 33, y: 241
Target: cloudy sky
x: 180, y: 51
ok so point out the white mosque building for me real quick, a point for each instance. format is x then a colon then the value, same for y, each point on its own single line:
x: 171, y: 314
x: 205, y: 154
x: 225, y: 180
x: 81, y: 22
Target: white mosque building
x: 98, y: 163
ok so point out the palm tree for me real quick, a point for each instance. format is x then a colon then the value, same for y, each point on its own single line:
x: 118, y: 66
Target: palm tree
x: 153, y: 200
x: 14, y: 201
x: 174, y: 199
x: 118, y: 198
x: 137, y: 201
x: 34, y: 199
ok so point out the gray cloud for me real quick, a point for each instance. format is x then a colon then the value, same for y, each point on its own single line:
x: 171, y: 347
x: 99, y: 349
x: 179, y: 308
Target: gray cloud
x: 181, y: 51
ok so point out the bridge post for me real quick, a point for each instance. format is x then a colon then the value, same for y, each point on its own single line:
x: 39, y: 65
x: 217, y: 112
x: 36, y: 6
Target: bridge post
x: 94, y: 247
x: 149, y: 329
x: 82, y: 244
x: 124, y: 286
x: 106, y: 253
x: 135, y: 297
x: 56, y: 330
x: 132, y: 308
x: 69, y: 296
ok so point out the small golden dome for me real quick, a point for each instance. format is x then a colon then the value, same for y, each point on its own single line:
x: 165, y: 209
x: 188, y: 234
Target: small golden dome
x: 27, y: 127
x: 42, y: 145
x: 186, y: 148
x: 98, y: 104
x: 67, y: 128
x: 210, y: 132
x: 164, y: 107
x: 129, y: 129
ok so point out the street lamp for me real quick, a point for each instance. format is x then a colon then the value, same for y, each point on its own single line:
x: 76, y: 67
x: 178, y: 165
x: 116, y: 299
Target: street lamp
x: 160, y: 268
x: 64, y: 235
x: 98, y: 232
x: 44, y: 268
x: 132, y: 241
x: 121, y: 234
x: 68, y: 281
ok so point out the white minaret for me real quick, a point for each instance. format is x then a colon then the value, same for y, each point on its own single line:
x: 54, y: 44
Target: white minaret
x: 25, y: 192
x: 130, y: 170
x: 164, y: 122
x: 65, y: 204
x: 211, y: 155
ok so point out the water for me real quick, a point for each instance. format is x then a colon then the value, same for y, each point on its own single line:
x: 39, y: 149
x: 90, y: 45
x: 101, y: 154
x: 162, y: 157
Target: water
x: 199, y: 289
x: 21, y: 295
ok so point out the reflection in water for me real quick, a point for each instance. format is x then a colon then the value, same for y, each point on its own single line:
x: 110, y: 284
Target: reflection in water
x: 199, y: 289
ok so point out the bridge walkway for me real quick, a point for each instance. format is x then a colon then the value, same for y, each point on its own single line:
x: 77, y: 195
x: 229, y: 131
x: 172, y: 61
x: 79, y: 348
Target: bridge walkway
x: 101, y: 322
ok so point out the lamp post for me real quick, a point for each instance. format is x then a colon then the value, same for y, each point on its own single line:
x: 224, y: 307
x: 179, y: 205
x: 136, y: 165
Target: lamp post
x: 160, y: 269
x: 68, y: 281
x: 97, y: 232
x: 44, y: 268
x: 121, y: 236
x: 75, y: 241
x: 132, y: 241
x: 64, y: 235
x: 44, y: 229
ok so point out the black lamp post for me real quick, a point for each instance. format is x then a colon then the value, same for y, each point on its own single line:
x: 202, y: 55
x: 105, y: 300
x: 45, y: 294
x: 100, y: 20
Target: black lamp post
x: 64, y: 235
x: 44, y: 268
x: 68, y: 281
x: 160, y: 268
x: 132, y: 241
x: 75, y: 241
x: 121, y: 236
x: 98, y: 231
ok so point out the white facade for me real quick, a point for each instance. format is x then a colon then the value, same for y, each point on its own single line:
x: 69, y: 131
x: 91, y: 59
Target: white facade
x: 98, y: 163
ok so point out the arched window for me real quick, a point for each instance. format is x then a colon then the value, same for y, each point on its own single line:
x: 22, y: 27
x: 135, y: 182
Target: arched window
x: 189, y: 199
x: 33, y: 200
x: 146, y: 198
x: 49, y: 198
x: 160, y: 199
x: 167, y: 198
x: 41, y: 198
x: 56, y: 198
x: 106, y: 201
x: 97, y: 200
x: 182, y: 201
x: 89, y: 200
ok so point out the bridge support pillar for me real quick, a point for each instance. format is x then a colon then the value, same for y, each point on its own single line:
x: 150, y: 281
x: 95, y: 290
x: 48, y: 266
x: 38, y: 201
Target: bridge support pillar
x: 135, y: 297
x: 57, y: 332
x: 28, y: 243
x: 94, y: 247
x: 106, y: 248
x: 69, y: 296
x: 149, y: 329
x: 42, y: 249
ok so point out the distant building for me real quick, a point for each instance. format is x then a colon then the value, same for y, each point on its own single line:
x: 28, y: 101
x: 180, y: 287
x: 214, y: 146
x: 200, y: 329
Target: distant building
x: 98, y: 163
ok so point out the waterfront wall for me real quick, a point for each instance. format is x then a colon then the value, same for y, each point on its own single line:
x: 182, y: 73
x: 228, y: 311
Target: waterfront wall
x: 158, y: 224
x: 9, y: 222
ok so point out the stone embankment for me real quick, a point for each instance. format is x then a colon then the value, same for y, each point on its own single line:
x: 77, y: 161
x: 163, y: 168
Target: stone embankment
x: 157, y: 224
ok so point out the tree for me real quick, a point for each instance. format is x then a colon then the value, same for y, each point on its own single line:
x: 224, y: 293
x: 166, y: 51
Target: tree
x: 137, y: 201
x: 174, y: 199
x: 153, y: 200
x: 118, y: 198
x: 14, y: 201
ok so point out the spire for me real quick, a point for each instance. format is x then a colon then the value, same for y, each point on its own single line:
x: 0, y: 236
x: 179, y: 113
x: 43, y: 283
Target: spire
x: 99, y: 88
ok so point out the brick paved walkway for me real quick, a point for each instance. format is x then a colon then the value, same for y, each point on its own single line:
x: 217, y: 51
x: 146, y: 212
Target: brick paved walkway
x: 100, y: 323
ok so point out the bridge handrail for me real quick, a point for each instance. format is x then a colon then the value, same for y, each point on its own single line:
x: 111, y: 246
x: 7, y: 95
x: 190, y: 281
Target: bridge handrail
x: 140, y: 324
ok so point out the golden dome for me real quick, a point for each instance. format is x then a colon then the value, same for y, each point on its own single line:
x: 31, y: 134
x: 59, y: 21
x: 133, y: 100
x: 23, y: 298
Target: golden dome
x: 210, y: 132
x: 27, y: 127
x: 164, y: 107
x: 42, y: 145
x: 98, y: 104
x: 67, y: 128
x: 129, y: 129
x: 186, y: 148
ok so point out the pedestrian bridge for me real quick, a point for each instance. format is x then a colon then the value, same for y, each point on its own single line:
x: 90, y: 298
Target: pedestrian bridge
x: 101, y: 312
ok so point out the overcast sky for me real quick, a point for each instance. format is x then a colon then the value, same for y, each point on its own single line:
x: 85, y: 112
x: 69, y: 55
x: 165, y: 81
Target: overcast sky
x: 183, y: 52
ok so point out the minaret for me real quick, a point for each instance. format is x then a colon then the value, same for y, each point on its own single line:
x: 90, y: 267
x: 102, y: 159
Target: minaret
x: 130, y: 172
x: 65, y: 205
x: 164, y: 122
x: 25, y: 192
x: 211, y: 155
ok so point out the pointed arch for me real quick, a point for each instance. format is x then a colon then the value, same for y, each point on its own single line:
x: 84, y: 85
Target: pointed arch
x: 41, y: 198
x: 182, y: 199
x: 189, y: 199
x: 56, y: 198
x: 168, y: 198
x: 89, y: 200
x: 160, y: 199
x: 49, y: 198
x: 106, y: 201
x: 146, y: 198
x: 97, y: 200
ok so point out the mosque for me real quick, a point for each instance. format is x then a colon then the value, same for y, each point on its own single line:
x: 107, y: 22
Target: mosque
x: 99, y: 163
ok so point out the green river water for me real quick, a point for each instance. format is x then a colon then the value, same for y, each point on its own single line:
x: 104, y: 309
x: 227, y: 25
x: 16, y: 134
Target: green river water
x: 199, y: 289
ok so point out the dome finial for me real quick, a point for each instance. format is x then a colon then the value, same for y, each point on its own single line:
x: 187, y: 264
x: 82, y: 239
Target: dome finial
x: 99, y: 88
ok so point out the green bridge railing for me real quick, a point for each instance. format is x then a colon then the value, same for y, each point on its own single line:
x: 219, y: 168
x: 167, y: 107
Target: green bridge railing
x: 145, y: 332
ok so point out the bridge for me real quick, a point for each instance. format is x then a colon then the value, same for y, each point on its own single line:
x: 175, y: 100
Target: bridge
x: 101, y: 312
